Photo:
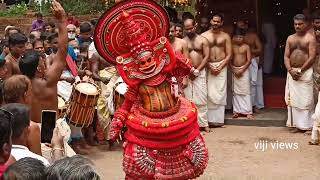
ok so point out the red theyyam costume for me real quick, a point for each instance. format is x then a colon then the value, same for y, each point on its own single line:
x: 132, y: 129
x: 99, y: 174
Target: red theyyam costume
x: 163, y: 140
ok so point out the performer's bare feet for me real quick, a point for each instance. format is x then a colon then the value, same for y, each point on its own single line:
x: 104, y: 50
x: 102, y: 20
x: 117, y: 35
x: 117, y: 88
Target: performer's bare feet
x: 312, y: 142
x: 250, y: 117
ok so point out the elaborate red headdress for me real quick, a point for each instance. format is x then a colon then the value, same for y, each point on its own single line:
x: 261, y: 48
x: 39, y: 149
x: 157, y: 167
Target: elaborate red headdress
x: 134, y: 31
x: 127, y: 25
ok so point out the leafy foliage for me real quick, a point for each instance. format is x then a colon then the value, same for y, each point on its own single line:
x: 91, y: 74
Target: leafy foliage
x: 75, y: 7
x: 15, y: 10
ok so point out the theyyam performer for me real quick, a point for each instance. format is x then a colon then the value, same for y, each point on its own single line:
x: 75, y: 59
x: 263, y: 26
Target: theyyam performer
x: 163, y: 140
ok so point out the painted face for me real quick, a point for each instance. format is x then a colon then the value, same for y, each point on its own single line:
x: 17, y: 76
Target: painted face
x: 147, y: 63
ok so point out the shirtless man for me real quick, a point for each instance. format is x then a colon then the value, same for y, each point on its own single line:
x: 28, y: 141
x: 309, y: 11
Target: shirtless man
x: 196, y: 90
x: 179, y: 45
x: 252, y: 39
x: 203, y: 25
x: 17, y: 42
x: 44, y: 81
x: 17, y: 89
x: 105, y: 76
x: 220, y: 54
x: 38, y: 46
x: 241, y: 81
x: 299, y: 57
x: 179, y: 30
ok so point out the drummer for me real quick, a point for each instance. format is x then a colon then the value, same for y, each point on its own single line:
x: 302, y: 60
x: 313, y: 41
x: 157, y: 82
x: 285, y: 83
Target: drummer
x: 105, y: 76
x: 65, y: 86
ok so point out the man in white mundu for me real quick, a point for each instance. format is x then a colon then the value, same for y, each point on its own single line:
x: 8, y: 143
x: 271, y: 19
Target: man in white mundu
x: 220, y: 54
x: 240, y: 63
x: 299, y: 57
x: 196, y: 89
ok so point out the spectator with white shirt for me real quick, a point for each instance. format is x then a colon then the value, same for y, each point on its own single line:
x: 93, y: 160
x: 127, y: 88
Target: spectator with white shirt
x: 20, y: 124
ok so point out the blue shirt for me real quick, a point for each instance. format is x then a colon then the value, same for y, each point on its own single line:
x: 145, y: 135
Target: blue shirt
x: 72, y: 53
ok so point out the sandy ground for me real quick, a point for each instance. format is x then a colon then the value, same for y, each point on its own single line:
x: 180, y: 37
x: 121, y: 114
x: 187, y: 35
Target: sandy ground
x: 233, y: 156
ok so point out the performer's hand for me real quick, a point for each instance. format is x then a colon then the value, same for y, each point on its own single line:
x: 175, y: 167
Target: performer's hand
x: 115, y: 129
x: 57, y: 10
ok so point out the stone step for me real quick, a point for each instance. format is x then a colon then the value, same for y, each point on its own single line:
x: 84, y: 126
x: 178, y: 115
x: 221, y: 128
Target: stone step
x: 265, y: 118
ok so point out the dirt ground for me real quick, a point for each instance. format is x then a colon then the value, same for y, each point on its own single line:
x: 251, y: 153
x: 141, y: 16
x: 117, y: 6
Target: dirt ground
x: 234, y: 156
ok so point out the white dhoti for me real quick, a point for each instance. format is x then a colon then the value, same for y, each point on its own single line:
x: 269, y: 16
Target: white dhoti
x: 256, y: 80
x: 196, y: 91
x: 217, y: 96
x: 241, y: 94
x: 103, y: 112
x: 299, y: 99
x: 316, y: 123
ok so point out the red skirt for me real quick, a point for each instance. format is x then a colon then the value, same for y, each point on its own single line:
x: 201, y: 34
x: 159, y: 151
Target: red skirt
x: 184, y: 162
x: 164, y: 145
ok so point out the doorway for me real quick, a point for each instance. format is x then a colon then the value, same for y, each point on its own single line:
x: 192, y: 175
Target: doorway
x: 280, y: 13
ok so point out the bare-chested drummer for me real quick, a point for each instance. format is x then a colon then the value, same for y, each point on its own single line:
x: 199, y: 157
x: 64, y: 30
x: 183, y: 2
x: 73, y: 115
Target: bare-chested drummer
x: 105, y: 75
x: 196, y: 90
x: 220, y: 55
x: 299, y: 57
x: 44, y: 81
